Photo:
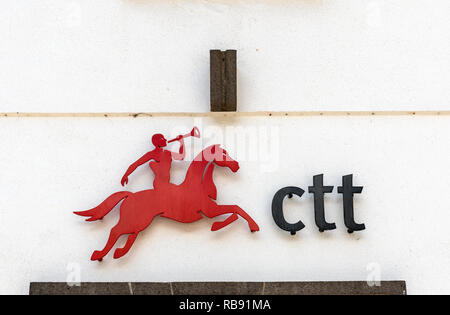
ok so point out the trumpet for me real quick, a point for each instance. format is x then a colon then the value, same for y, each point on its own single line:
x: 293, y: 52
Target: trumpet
x: 194, y: 133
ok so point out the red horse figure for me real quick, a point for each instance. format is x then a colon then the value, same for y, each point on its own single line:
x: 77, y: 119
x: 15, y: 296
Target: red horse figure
x: 184, y: 203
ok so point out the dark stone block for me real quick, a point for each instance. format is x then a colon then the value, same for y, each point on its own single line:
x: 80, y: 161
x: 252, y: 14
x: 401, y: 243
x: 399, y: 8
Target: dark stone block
x: 220, y: 288
x: 151, y: 288
x: 335, y: 288
x: 217, y: 288
x: 86, y: 288
x: 223, y: 82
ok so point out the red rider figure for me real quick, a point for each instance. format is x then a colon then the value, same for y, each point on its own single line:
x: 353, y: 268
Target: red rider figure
x: 162, y: 161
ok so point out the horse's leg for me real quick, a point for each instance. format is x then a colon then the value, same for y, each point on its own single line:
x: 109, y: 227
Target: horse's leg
x: 251, y: 223
x: 220, y: 225
x: 113, y: 237
x: 214, y: 210
x: 119, y: 252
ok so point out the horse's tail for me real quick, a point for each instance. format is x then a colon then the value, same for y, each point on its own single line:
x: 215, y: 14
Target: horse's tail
x: 105, y: 207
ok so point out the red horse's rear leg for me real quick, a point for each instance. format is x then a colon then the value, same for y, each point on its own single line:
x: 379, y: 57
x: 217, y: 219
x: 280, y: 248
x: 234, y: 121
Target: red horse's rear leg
x: 119, y: 252
x: 113, y: 237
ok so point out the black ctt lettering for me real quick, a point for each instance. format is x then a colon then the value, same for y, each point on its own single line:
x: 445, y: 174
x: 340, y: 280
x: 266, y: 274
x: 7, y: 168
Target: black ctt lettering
x: 277, y: 209
x: 319, y: 191
x: 348, y: 190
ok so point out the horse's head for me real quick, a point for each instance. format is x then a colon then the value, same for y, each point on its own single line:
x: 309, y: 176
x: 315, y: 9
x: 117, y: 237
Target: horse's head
x: 201, y: 169
x: 220, y: 157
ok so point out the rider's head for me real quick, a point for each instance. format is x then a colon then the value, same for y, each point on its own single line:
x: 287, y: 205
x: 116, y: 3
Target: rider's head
x: 158, y: 140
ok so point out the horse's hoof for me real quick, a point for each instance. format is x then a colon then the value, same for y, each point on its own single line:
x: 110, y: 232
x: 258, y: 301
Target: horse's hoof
x: 254, y: 228
x: 97, y: 255
x: 216, y: 226
x: 118, y: 253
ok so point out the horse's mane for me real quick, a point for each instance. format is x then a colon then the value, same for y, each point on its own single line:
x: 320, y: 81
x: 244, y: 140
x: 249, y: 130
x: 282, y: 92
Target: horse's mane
x: 200, y: 173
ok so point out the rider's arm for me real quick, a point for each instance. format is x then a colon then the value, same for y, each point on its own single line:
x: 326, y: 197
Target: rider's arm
x: 181, y: 153
x: 145, y: 158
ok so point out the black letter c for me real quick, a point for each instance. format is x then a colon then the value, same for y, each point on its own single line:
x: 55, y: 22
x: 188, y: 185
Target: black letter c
x: 277, y: 209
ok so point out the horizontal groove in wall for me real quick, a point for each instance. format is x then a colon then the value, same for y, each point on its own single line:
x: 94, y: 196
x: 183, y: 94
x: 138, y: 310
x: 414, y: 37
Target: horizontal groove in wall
x: 232, y: 114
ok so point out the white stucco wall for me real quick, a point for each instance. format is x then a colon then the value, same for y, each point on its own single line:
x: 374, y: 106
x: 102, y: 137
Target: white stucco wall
x: 52, y: 167
x: 153, y: 56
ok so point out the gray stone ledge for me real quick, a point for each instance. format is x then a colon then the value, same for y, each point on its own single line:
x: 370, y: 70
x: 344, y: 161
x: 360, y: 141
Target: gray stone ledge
x: 219, y: 288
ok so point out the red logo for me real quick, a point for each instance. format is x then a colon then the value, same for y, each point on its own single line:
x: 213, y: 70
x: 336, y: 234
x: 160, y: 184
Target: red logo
x: 184, y: 203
